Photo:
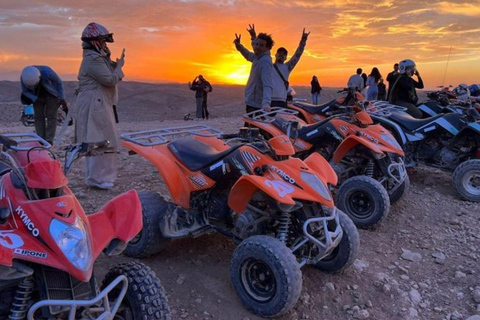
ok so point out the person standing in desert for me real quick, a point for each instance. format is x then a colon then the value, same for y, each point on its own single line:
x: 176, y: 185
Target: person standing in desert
x: 258, y: 91
x: 96, y: 95
x: 201, y: 87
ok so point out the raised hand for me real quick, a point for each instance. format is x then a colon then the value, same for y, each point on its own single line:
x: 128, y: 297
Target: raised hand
x: 121, y: 61
x: 305, y: 35
x: 251, y: 30
x: 238, y: 38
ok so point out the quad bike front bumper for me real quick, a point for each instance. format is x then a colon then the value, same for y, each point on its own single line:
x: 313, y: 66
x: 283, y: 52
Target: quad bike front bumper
x: 397, y: 173
x: 329, y: 232
x: 98, y: 308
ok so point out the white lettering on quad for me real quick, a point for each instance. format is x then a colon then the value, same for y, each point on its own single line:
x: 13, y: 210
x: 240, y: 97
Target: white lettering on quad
x: 283, y: 174
x: 30, y: 253
x: 281, y: 187
x: 369, y: 137
x: 27, y: 222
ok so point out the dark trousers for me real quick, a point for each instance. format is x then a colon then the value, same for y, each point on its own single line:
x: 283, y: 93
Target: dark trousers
x: 411, y: 109
x: 278, y: 103
x: 251, y: 109
x: 46, y: 108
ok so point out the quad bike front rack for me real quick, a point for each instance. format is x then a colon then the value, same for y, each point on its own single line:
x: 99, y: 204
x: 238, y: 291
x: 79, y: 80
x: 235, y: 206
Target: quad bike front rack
x: 160, y: 136
x: 261, y: 115
x: 105, y: 312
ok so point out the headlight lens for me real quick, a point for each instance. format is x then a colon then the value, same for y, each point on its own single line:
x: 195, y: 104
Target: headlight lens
x: 390, y: 139
x: 73, y: 241
x: 317, y: 184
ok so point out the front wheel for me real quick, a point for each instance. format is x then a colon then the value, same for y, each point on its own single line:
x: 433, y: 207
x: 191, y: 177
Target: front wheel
x: 266, y: 276
x: 364, y: 200
x: 466, y: 180
x: 346, y: 252
x: 145, y: 297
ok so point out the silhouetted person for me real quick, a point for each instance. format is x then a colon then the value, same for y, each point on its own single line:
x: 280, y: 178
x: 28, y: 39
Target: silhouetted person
x: 403, y: 92
x: 391, y: 78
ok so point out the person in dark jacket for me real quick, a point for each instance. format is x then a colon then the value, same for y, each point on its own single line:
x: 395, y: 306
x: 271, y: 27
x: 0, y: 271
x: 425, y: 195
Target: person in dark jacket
x: 403, y: 92
x: 391, y: 78
x: 382, y: 90
x: 43, y: 88
x: 201, y: 87
x: 316, y: 90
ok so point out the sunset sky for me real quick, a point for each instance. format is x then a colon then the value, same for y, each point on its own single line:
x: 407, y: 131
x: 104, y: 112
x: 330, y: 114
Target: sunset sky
x: 173, y: 41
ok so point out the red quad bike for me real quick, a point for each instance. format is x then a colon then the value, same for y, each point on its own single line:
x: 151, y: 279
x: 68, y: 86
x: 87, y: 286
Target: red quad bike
x: 366, y: 157
x: 48, y: 244
x: 279, y: 208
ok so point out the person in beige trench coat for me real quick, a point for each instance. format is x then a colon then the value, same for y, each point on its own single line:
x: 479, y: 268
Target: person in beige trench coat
x: 96, y: 95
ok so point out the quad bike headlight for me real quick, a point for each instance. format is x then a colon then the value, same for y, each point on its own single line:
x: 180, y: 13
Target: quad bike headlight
x: 73, y: 241
x: 390, y: 139
x: 317, y: 184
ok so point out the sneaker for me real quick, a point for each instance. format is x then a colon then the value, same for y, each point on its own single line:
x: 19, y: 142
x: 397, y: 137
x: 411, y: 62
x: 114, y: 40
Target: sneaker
x: 198, y: 119
x: 103, y: 185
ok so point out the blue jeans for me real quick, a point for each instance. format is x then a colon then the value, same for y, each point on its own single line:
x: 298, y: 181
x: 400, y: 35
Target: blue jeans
x: 315, y: 97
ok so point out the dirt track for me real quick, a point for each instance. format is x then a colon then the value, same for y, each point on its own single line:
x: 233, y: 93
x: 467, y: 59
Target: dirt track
x: 431, y: 221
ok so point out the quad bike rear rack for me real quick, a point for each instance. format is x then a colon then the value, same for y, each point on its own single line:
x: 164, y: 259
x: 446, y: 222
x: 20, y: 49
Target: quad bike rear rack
x: 383, y: 108
x: 261, y: 115
x: 25, y: 138
x: 106, y: 311
x: 160, y: 136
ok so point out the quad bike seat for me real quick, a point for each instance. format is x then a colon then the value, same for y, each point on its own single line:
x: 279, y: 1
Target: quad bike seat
x: 410, y: 122
x: 195, y: 154
x: 316, y: 109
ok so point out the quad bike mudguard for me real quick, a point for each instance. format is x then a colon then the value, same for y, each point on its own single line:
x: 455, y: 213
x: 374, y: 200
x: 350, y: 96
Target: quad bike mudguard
x: 6, y: 256
x: 318, y: 163
x: 120, y: 218
x: 177, y: 183
x: 349, y: 143
x: 279, y: 190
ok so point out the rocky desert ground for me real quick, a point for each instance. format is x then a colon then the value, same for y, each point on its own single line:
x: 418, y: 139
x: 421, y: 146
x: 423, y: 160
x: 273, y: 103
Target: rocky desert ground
x: 421, y: 263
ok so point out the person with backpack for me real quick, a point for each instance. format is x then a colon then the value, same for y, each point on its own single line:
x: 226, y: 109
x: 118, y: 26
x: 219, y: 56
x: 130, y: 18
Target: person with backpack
x: 43, y: 88
x: 282, y: 69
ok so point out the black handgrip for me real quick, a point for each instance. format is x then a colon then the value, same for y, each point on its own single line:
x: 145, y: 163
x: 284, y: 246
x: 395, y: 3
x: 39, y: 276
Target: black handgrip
x: 7, y: 142
x: 229, y: 136
x: 101, y: 144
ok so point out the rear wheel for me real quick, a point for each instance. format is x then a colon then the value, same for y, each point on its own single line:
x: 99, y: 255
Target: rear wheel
x: 466, y: 180
x: 149, y: 240
x: 364, y: 200
x: 145, y: 297
x: 266, y: 276
x: 346, y: 252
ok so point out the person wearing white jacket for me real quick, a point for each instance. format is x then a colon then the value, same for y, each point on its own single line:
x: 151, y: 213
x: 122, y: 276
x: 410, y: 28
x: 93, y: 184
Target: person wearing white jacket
x: 96, y: 94
x: 258, y: 91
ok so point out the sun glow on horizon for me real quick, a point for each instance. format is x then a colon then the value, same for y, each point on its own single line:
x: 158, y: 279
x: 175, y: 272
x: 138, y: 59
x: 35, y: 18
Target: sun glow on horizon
x: 173, y: 41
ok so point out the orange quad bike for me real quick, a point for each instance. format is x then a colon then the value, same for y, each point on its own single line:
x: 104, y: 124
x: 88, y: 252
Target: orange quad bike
x: 48, y: 245
x: 279, y: 208
x: 366, y: 157
x: 311, y: 113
